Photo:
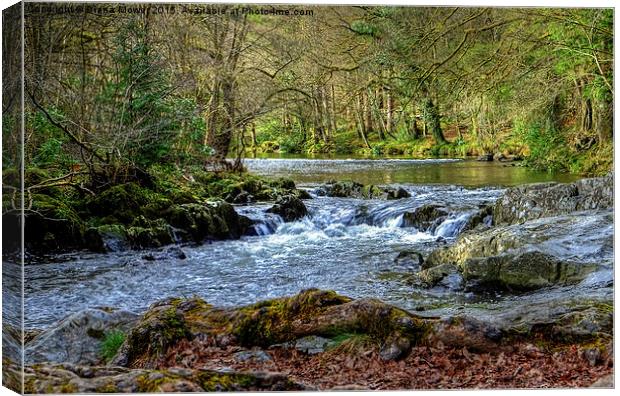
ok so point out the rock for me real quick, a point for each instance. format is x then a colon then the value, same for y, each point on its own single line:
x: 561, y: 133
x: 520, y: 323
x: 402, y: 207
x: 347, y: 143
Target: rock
x: 534, y: 201
x: 409, y: 259
x: 468, y: 332
x: 398, y: 194
x: 290, y: 208
x: 123, y: 202
x: 77, y: 338
x: 485, y: 158
x: 425, y: 218
x: 499, y: 157
x: 395, y: 349
x: 255, y: 354
x: 171, y: 252
x: 537, y: 253
x: 343, y: 189
x: 243, y: 198
x: 351, y: 189
x: 149, y: 234
x: 302, y: 194
x: 310, y: 313
x: 67, y: 378
x: 199, y: 222
x: 107, y: 238
x: 482, y: 218
x: 521, y: 271
x: 433, y: 276
x: 558, y: 318
x: 312, y: 345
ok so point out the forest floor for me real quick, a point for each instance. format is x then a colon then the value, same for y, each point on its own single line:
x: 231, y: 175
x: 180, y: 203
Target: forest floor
x: 348, y: 367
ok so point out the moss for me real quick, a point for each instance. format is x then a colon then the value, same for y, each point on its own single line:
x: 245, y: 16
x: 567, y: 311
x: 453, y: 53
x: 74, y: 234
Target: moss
x: 107, y: 388
x: 67, y: 388
x: 53, y: 224
x: 151, y: 382
x: 123, y: 201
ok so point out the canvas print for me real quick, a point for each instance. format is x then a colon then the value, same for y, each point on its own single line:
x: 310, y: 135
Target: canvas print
x: 253, y: 197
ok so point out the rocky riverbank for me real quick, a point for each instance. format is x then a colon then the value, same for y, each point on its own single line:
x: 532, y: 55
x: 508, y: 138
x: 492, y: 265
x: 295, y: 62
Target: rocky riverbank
x: 535, y: 238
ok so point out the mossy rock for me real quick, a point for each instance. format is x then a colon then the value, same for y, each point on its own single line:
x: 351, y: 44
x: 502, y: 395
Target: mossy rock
x: 311, y: 312
x: 123, y: 201
x: 200, y: 222
x: 150, y: 234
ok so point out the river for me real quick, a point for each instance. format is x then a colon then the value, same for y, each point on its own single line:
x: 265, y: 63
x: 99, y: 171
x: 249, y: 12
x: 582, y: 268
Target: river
x: 348, y: 245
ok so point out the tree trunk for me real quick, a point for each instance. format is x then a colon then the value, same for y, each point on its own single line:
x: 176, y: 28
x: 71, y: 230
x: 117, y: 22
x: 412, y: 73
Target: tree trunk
x: 432, y: 120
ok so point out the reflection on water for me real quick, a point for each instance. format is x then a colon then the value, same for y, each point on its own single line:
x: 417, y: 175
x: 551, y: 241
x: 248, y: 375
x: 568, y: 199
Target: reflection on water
x: 469, y: 173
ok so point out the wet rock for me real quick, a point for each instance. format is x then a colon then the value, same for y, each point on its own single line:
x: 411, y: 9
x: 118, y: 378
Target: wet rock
x: 171, y: 252
x: 425, y: 218
x: 485, y: 158
x: 302, y: 194
x: 206, y: 221
x: 399, y: 193
x: 290, y: 208
x: 107, y: 238
x: 433, y: 276
x: 410, y: 259
x: 67, y: 378
x: 481, y: 219
x: 77, y: 338
x: 537, y: 253
x: 533, y: 201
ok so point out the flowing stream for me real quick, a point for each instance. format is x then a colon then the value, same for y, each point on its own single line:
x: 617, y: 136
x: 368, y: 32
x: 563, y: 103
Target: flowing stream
x: 345, y: 244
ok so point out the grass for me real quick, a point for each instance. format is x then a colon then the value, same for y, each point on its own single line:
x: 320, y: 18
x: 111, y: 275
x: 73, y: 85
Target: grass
x: 111, y: 343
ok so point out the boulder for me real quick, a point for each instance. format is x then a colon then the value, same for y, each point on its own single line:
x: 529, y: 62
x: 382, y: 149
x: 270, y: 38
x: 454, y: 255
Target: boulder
x: 78, y: 338
x: 399, y: 193
x: 310, y: 313
x: 537, y: 253
x: 351, y: 189
x: 198, y: 222
x: 425, y: 218
x: 290, y: 208
x: 538, y: 200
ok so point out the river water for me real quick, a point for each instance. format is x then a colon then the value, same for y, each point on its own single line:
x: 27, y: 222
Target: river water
x: 348, y: 245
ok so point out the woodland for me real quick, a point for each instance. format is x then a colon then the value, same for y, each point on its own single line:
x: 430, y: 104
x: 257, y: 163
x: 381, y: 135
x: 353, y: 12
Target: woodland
x: 109, y: 93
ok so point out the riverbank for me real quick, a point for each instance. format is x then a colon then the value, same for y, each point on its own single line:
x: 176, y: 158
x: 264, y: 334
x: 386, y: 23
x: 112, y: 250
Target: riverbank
x: 549, y: 322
